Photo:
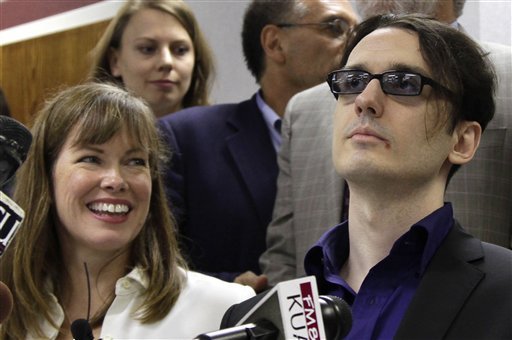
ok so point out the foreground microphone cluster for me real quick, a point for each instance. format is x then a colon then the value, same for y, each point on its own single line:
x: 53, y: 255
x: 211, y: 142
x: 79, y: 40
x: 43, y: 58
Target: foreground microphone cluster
x: 291, y: 310
x: 15, y: 140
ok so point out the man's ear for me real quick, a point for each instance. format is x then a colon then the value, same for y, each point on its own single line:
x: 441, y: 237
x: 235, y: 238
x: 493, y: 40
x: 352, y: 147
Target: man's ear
x: 272, y: 43
x: 113, y: 60
x: 466, y: 138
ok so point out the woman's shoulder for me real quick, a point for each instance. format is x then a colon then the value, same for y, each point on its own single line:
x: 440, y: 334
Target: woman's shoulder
x: 199, y: 284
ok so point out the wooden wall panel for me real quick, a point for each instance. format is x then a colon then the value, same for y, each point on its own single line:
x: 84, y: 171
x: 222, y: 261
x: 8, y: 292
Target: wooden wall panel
x: 32, y: 70
x: 16, y: 12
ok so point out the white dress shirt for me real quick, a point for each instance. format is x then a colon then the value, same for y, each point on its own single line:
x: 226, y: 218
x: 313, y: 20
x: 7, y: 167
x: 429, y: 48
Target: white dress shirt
x: 199, y: 309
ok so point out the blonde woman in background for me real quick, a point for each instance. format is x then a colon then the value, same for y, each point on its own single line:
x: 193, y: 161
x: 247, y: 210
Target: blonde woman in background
x: 156, y: 49
x: 96, y: 214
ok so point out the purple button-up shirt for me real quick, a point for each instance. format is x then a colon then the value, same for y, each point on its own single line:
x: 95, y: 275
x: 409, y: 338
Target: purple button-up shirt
x: 387, y: 290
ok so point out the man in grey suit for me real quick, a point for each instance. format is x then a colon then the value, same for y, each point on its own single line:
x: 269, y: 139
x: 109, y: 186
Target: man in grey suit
x: 310, y: 194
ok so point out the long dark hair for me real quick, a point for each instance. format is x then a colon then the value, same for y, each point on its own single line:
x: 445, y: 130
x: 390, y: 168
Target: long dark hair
x: 455, y: 60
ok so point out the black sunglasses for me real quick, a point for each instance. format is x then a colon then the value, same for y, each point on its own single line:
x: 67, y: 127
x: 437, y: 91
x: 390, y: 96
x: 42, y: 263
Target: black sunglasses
x: 398, y: 83
x: 336, y: 27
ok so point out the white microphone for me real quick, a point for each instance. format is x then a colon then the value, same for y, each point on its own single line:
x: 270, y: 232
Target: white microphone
x: 11, y: 216
x: 291, y: 310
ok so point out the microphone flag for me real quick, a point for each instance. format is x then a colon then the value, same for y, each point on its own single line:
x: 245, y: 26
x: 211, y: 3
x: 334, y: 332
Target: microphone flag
x: 11, y: 216
x: 294, y: 307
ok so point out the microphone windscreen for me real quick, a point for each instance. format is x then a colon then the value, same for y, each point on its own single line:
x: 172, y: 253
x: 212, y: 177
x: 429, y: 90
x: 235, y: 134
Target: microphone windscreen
x: 81, y: 330
x: 5, y: 302
x: 16, y: 135
x: 337, y: 316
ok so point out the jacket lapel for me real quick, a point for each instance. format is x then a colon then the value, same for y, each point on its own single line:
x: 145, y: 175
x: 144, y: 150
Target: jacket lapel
x: 446, y: 285
x: 254, y: 156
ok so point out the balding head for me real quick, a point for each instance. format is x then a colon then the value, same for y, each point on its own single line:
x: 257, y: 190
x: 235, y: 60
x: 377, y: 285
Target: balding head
x: 443, y: 10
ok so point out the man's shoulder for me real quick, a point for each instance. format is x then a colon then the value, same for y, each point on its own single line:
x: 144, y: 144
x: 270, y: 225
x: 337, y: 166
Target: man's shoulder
x: 497, y: 256
x: 203, y: 114
x: 317, y: 94
x: 206, y: 121
x: 485, y: 256
x: 496, y: 48
x: 501, y: 57
x: 199, y: 283
x: 311, y: 106
x: 237, y: 311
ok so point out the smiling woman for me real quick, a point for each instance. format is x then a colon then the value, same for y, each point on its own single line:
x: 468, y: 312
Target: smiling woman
x: 94, y: 167
x: 105, y: 208
x: 156, y: 49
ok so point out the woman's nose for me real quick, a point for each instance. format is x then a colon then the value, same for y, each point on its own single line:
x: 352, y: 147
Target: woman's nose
x: 114, y: 181
x: 166, y: 59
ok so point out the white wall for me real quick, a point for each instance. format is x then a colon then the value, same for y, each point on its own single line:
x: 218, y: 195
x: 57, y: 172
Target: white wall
x: 488, y: 20
x: 221, y: 22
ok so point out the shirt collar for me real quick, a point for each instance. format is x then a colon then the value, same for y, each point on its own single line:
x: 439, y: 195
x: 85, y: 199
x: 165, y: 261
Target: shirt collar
x: 270, y: 117
x: 326, y: 257
x: 134, y: 281
x: 436, y: 225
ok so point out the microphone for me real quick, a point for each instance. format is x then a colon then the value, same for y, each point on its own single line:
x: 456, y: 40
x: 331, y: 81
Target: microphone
x: 11, y: 216
x: 292, y: 309
x: 337, y: 316
x: 261, y: 330
x: 15, y: 140
x: 5, y: 302
x: 81, y: 330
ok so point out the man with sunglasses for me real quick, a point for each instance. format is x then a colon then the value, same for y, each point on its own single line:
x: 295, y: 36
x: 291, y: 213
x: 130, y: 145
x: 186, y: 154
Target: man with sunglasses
x: 312, y: 197
x: 222, y: 179
x: 413, y: 98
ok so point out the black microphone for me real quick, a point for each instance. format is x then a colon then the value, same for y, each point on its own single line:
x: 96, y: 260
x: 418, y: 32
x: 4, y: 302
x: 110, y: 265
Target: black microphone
x: 337, y: 316
x: 5, y: 301
x: 260, y: 330
x: 81, y: 330
x: 289, y: 311
x: 15, y: 140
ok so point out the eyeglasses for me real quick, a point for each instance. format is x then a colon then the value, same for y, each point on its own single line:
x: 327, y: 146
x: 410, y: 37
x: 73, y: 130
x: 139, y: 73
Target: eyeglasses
x: 398, y: 83
x: 337, y: 26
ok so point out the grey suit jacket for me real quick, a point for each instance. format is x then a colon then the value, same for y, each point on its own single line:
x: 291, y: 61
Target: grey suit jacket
x: 309, y: 192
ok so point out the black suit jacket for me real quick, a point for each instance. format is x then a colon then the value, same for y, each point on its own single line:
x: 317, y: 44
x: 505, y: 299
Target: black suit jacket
x: 221, y: 184
x: 466, y: 293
